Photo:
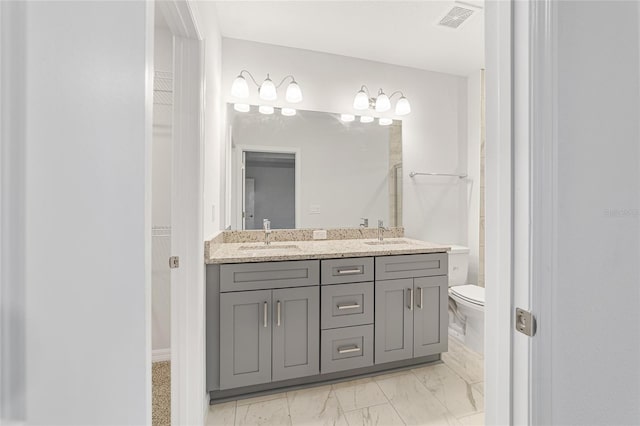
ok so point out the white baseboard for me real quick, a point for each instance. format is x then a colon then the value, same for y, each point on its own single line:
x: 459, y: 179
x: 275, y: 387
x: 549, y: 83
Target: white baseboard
x: 161, y: 355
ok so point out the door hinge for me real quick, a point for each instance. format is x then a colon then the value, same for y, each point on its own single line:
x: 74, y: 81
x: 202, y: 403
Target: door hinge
x: 174, y: 262
x: 525, y: 322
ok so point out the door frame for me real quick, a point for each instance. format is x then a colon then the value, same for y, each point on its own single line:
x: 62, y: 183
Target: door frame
x: 12, y: 212
x: 239, y: 175
x: 507, y: 229
x: 188, y: 395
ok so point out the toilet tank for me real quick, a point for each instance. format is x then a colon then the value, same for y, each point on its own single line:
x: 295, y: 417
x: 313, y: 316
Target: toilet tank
x: 458, y: 265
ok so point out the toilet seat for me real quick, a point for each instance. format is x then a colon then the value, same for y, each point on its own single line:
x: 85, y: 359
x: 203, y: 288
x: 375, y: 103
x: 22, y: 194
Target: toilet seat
x: 469, y: 293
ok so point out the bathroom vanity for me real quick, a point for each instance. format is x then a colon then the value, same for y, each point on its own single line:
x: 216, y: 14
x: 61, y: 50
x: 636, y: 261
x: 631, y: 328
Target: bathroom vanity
x: 302, y: 312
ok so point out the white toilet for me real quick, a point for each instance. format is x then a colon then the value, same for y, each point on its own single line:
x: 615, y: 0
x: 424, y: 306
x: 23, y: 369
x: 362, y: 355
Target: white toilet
x: 466, y: 302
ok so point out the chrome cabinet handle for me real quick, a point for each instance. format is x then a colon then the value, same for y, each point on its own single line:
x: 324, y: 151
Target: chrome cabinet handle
x: 348, y: 349
x: 349, y: 271
x: 278, y: 309
x: 266, y: 307
x: 410, y: 299
x: 352, y: 306
x: 420, y: 303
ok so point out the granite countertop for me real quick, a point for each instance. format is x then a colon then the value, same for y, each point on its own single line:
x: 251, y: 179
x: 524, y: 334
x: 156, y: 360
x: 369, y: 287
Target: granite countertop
x: 317, y: 249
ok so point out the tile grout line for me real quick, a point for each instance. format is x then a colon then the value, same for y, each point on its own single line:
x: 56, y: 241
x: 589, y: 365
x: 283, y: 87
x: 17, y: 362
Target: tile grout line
x: 286, y: 398
x: 235, y: 412
x: 369, y: 406
x: 435, y: 397
x: 392, y: 405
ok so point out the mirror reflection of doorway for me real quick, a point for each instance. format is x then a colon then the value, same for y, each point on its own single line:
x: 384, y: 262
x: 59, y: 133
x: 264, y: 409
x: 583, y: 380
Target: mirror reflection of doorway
x: 269, y: 189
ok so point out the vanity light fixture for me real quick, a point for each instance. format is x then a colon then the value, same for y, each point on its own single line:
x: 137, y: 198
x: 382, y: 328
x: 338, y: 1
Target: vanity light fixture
x: 347, y: 118
x: 242, y: 107
x: 366, y: 119
x: 381, y: 103
x: 265, y: 109
x: 288, y: 112
x: 383, y: 121
x: 268, y: 90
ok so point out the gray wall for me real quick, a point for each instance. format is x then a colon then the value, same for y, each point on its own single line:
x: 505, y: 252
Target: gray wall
x: 274, y: 195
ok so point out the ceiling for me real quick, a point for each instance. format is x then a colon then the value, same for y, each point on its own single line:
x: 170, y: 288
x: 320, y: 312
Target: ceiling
x: 395, y: 32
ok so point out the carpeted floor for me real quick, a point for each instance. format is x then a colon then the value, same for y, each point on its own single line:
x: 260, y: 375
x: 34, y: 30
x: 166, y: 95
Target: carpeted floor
x: 161, y: 393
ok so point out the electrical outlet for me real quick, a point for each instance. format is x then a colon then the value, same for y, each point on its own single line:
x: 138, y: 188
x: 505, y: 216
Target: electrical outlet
x: 314, y: 209
x: 320, y: 234
x: 213, y: 212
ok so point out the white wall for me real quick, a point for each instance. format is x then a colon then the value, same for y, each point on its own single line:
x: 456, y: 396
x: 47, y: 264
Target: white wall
x: 474, y: 93
x: 344, y: 166
x: 214, y: 115
x: 434, y: 135
x: 87, y: 221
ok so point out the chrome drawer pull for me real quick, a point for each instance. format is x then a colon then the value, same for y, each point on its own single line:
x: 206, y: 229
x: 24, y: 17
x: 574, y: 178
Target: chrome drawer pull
x: 421, y: 291
x: 265, y: 314
x: 348, y: 349
x: 349, y: 271
x: 278, y: 305
x: 352, y: 306
x: 410, y: 299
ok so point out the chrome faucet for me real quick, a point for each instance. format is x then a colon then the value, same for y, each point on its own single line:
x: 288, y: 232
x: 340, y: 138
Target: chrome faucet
x: 266, y: 225
x: 381, y: 230
x: 365, y: 222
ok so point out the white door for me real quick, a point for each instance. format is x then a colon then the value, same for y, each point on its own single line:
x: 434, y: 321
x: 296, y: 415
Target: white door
x: 585, y: 213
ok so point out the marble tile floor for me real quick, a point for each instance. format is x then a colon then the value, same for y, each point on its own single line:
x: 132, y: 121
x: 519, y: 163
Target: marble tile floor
x: 445, y: 393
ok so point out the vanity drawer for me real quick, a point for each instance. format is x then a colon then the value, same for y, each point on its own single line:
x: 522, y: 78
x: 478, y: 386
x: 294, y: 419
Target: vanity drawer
x: 269, y: 275
x: 346, y: 305
x: 411, y: 266
x: 351, y: 270
x: 346, y: 348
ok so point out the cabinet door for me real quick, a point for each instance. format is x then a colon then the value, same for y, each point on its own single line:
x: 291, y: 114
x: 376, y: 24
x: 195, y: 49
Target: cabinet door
x: 393, y: 320
x: 430, y: 316
x: 245, y: 338
x: 296, y: 332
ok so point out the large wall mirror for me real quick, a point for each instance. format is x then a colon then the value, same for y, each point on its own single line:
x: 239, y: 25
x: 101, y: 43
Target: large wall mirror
x: 313, y: 170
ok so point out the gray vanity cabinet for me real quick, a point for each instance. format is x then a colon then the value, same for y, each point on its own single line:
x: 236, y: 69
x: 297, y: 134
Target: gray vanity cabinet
x: 430, y: 316
x: 267, y: 332
x: 394, y: 320
x: 411, y: 316
x: 245, y: 336
x: 289, y: 323
x: 296, y: 332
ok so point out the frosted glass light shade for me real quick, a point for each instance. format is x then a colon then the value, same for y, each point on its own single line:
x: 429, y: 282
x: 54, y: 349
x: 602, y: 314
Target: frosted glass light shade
x: 288, y: 112
x: 366, y: 119
x: 268, y: 90
x: 382, y: 103
x: 294, y: 93
x: 240, y: 88
x: 241, y: 107
x: 403, y: 107
x: 385, y: 121
x: 347, y: 118
x: 265, y: 109
x: 361, y: 101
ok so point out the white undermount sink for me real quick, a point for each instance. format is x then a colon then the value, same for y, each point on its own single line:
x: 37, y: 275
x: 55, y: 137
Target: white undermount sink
x: 270, y: 247
x: 387, y: 242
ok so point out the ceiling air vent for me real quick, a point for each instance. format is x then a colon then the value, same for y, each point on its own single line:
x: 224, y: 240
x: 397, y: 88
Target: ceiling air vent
x: 456, y: 17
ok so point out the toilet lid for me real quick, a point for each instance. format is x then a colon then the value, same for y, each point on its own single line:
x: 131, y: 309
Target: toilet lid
x: 469, y: 292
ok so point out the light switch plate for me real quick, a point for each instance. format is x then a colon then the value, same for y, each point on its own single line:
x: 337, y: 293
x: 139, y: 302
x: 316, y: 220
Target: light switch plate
x: 320, y: 234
